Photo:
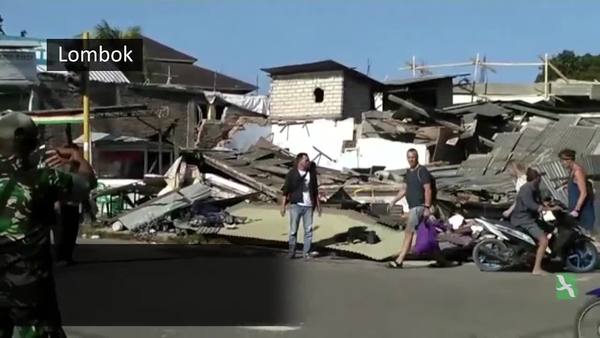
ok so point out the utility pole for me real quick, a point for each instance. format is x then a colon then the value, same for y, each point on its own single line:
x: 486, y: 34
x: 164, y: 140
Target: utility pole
x: 414, y: 66
x: 475, y: 74
x: 161, y: 115
x: 87, y: 153
x: 546, y: 85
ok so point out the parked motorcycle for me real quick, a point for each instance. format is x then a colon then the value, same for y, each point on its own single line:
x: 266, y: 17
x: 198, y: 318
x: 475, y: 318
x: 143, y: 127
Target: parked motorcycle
x: 586, y: 323
x: 501, y: 246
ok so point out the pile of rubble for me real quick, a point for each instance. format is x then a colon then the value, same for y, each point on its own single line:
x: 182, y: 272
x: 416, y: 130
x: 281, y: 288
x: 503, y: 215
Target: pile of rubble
x: 468, y: 148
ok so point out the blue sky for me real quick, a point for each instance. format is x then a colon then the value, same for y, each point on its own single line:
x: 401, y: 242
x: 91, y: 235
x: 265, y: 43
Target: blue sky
x: 238, y: 37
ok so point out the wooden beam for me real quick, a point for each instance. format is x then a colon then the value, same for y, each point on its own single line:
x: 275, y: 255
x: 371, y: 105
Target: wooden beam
x: 240, y: 176
x: 486, y: 141
x: 423, y: 112
x: 558, y: 72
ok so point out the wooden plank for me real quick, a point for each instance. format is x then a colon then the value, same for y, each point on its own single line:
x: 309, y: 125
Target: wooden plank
x: 258, y: 154
x: 270, y: 168
x: 276, y: 161
x: 241, y: 176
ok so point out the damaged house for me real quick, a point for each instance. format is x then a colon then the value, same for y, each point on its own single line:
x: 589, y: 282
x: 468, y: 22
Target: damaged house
x: 344, y: 119
x: 178, y: 96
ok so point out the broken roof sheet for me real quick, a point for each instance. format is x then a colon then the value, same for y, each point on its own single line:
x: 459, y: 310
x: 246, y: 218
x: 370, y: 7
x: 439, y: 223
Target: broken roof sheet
x: 475, y: 165
x: 265, y: 223
x: 157, y: 208
x: 264, y: 167
x: 556, y: 174
x: 424, y: 79
x: 534, y: 146
x: 480, y: 108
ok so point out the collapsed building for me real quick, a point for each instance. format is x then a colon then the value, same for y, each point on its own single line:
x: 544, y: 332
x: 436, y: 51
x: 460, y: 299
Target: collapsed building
x: 225, y: 145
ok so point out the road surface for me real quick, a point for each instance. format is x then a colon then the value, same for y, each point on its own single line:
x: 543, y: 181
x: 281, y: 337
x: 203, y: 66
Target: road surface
x: 351, y: 298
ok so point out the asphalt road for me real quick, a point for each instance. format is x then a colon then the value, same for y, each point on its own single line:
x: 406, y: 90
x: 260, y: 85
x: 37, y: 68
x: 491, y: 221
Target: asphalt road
x: 347, y: 298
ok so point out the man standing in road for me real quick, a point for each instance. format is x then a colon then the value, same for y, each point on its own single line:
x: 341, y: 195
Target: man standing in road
x: 65, y: 234
x: 27, y: 197
x: 419, y: 195
x: 300, y: 191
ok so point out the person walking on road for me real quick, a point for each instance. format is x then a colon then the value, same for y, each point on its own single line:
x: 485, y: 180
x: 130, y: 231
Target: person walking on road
x: 580, y: 192
x: 300, y: 192
x: 419, y: 195
x: 68, y: 228
x: 28, y: 193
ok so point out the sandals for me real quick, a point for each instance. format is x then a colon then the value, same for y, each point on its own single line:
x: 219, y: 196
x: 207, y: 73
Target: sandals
x: 393, y: 265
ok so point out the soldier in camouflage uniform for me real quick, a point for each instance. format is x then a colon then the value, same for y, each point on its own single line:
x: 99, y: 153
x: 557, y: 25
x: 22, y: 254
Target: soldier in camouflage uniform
x: 28, y: 192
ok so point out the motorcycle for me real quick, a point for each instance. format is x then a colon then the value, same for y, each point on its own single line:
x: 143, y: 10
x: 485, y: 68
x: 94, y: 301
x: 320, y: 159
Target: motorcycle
x: 501, y: 246
x: 586, y: 323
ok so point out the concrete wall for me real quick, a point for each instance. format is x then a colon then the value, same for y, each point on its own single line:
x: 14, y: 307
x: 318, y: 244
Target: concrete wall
x: 328, y: 136
x: 444, y: 93
x: 358, y: 98
x: 292, y: 96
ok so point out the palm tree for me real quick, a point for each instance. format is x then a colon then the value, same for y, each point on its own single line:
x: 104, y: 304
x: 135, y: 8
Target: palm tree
x: 105, y: 31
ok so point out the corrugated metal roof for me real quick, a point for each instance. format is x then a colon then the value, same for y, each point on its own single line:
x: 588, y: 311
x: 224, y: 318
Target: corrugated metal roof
x: 591, y: 148
x: 409, y: 81
x: 576, y: 138
x: 105, y: 137
x: 498, y: 184
x: 503, y: 147
x: 108, y: 76
x: 475, y: 165
x: 483, y: 109
x: 159, y: 207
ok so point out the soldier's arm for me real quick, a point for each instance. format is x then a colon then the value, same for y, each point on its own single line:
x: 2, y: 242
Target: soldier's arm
x: 79, y: 172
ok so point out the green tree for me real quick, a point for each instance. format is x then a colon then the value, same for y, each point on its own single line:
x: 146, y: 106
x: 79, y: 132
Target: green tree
x: 577, y: 67
x: 104, y: 30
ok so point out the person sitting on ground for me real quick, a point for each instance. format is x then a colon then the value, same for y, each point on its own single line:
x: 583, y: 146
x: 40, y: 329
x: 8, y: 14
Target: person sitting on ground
x: 526, y: 214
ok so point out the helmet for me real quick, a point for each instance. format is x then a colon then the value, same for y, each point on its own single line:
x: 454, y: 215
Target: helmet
x: 18, y: 134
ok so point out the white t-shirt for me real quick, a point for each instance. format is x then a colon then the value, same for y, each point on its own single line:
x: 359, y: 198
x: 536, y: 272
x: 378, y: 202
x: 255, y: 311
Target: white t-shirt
x: 307, y: 202
x: 519, y: 182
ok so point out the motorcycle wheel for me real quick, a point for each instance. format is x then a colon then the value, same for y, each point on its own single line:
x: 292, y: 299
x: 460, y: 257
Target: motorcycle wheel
x: 587, y: 323
x: 481, y: 256
x: 581, y: 257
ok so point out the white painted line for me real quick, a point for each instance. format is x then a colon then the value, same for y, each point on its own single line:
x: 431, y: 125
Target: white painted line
x: 272, y: 328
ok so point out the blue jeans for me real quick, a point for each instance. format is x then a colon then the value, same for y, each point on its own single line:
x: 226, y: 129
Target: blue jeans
x: 306, y: 213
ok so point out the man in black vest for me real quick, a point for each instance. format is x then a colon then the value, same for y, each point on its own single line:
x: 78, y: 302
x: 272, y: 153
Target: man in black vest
x: 300, y: 191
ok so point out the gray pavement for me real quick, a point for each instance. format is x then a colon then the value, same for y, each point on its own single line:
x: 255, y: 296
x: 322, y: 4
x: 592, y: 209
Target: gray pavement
x: 344, y: 298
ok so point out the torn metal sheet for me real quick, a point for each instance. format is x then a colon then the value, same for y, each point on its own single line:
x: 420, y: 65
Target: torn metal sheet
x: 265, y: 223
x: 480, y: 108
x: 503, y: 147
x: 498, y: 184
x: 475, y: 165
x: 576, y: 138
x: 567, y: 121
x: 158, y: 208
